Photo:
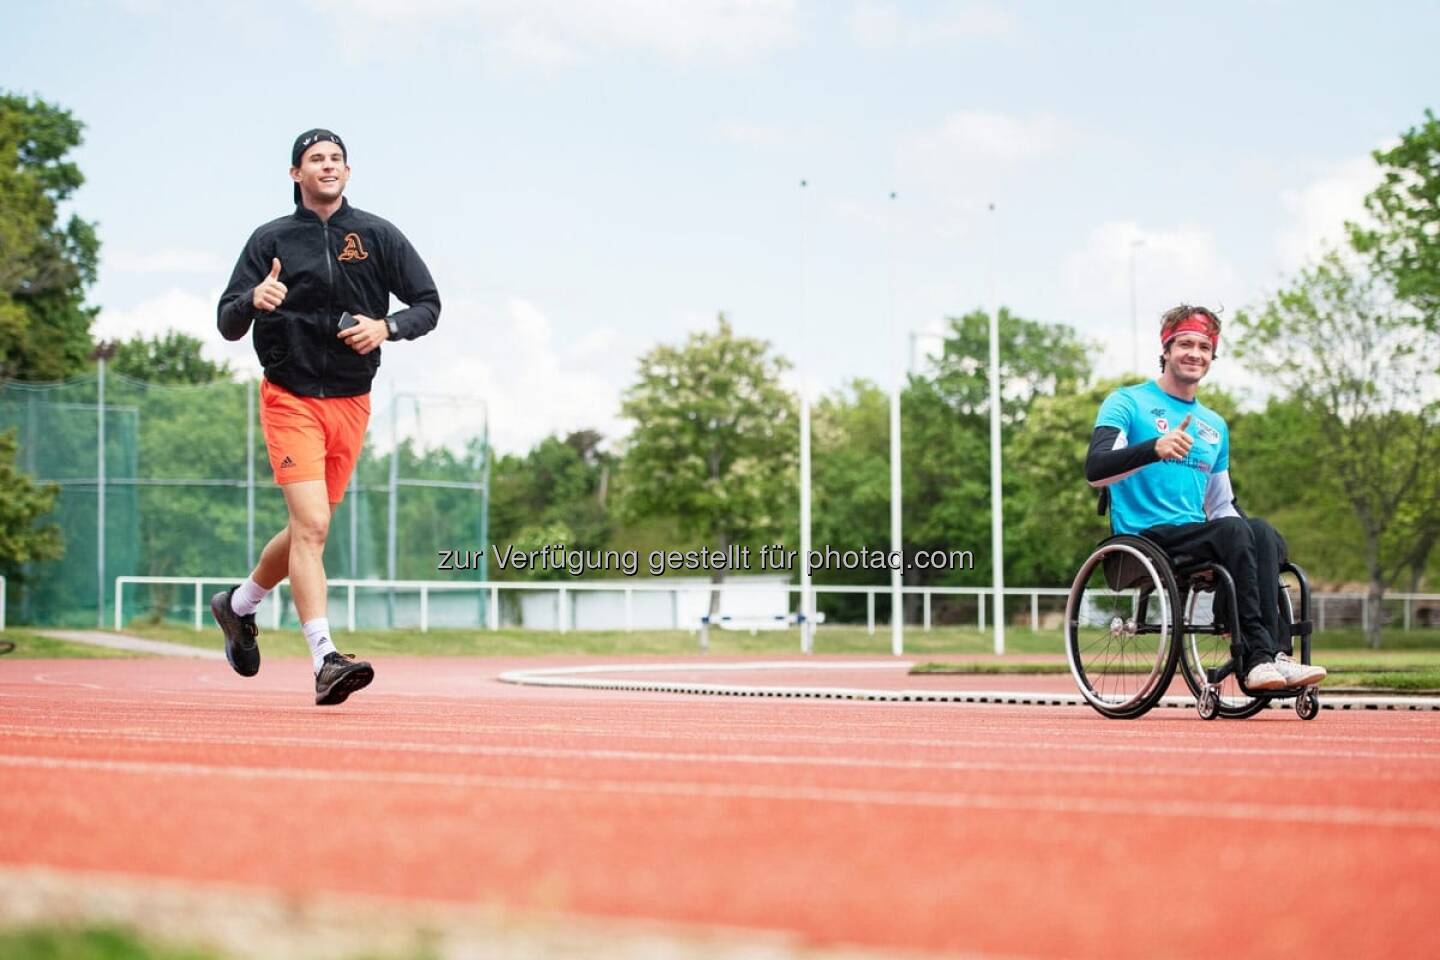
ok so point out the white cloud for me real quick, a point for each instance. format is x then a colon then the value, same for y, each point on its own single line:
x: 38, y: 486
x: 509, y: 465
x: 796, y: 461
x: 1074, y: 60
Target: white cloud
x: 184, y: 311
x: 557, y: 33
x: 1317, y: 212
x: 877, y: 25
x: 509, y: 356
x: 1175, y: 265
x: 971, y: 154
x: 169, y: 260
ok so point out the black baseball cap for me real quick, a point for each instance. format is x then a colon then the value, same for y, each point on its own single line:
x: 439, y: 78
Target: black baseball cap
x: 314, y: 136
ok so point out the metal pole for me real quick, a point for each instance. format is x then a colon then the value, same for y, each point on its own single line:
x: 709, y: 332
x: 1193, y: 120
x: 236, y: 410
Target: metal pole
x: 392, y: 513
x: 485, y: 499
x: 250, y: 474
x: 897, y: 543
x: 100, y: 495
x: 807, y: 603
x: 997, y: 519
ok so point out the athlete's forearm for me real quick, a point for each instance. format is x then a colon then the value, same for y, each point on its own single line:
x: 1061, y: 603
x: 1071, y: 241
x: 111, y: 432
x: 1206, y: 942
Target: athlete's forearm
x: 233, y: 317
x: 1105, y: 464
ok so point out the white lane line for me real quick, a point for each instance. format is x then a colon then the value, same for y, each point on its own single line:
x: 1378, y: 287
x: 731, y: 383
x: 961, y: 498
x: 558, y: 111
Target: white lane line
x: 690, y: 757
x: 1290, y: 814
x: 1317, y: 747
x: 570, y: 677
x: 46, y: 679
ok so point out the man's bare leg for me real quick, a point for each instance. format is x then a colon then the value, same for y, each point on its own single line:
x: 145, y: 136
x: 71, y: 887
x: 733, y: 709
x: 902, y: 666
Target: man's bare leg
x: 274, y: 563
x: 309, y: 525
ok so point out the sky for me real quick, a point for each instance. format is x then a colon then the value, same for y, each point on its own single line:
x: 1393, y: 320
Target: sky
x: 589, y: 179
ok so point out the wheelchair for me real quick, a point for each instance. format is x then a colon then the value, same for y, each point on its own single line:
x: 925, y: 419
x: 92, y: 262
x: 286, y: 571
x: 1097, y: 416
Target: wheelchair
x: 1135, y: 615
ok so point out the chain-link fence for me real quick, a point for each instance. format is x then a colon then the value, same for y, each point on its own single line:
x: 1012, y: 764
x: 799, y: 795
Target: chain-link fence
x: 184, y: 488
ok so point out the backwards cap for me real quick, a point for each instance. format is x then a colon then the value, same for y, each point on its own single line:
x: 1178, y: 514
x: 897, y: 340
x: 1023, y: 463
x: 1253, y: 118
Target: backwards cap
x: 309, y: 137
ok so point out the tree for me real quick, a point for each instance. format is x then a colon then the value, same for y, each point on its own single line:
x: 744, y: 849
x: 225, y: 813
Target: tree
x: 559, y: 484
x: 1051, y: 520
x: 22, y: 538
x: 1403, y: 244
x: 168, y: 358
x: 946, y: 433
x: 850, y: 485
x: 1365, y: 367
x: 714, y: 440
x: 44, y: 266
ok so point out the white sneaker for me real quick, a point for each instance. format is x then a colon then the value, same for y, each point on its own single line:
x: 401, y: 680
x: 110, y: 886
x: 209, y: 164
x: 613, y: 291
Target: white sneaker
x: 1265, y: 676
x: 1298, y: 674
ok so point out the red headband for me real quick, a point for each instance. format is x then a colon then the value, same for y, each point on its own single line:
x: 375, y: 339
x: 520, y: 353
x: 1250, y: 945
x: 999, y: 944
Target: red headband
x: 1195, y: 323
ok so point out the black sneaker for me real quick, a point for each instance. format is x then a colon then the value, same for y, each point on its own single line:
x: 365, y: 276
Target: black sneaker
x: 240, y: 632
x: 341, y: 675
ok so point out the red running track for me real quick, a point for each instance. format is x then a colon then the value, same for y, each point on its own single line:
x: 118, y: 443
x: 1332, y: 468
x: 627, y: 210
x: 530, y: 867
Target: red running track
x: 1008, y: 831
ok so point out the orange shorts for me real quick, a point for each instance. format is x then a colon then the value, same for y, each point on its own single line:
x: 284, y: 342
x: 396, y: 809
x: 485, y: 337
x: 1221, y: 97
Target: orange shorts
x: 313, y: 438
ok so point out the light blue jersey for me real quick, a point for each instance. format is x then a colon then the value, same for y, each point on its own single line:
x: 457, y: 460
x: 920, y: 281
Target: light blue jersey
x: 1168, y: 491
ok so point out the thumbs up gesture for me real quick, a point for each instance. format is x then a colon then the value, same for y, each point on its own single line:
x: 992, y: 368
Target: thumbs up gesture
x: 270, y: 292
x: 1176, y: 444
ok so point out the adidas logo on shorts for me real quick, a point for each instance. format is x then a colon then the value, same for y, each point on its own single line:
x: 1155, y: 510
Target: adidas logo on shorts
x: 287, y: 462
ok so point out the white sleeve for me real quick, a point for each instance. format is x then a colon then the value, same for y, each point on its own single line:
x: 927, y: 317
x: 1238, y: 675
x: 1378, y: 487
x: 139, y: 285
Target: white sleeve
x: 1219, y: 497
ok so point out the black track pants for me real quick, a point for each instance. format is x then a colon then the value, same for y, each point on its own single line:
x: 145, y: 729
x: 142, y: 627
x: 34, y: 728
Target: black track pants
x: 1252, y: 551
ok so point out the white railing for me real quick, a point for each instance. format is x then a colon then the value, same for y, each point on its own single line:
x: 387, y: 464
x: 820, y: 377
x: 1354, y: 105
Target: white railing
x: 565, y: 593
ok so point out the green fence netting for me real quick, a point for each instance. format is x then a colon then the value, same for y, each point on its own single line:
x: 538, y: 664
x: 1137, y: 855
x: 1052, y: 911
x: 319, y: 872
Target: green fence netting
x: 187, y: 491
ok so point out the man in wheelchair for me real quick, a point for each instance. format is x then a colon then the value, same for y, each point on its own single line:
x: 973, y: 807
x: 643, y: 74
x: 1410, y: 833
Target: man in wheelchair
x: 1164, y: 458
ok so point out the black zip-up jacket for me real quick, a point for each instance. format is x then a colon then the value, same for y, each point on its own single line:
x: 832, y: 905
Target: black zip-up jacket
x: 352, y: 263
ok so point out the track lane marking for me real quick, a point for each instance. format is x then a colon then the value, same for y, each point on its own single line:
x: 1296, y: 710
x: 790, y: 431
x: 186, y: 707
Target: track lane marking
x: 1340, y: 816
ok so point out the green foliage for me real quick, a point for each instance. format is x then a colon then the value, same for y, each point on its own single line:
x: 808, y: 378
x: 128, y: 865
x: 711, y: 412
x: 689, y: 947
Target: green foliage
x: 1035, y: 359
x: 23, y: 538
x: 1362, y: 368
x: 44, y: 265
x: 88, y: 943
x: 1404, y: 243
x: 946, y: 434
x: 1051, y: 520
x: 168, y: 358
x: 714, y: 440
x: 559, y: 484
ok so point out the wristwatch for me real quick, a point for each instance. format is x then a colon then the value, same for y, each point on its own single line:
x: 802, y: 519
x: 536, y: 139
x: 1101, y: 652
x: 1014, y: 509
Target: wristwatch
x: 393, y: 328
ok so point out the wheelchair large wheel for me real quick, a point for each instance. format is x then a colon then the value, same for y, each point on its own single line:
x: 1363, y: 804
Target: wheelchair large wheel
x: 1200, y: 652
x: 1122, y: 632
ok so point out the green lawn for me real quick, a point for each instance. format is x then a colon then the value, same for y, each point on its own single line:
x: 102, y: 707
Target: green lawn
x: 32, y: 646
x: 88, y: 943
x: 1409, y: 661
x: 103, y: 942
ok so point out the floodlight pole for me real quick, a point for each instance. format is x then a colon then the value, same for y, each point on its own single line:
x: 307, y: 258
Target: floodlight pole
x: 807, y: 603
x: 997, y: 517
x: 897, y: 545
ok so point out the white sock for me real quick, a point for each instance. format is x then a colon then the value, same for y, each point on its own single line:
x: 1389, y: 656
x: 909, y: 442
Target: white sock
x: 317, y: 634
x: 246, y: 597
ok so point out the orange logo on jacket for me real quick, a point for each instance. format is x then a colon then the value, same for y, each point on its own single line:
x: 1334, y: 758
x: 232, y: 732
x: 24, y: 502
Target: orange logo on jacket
x: 354, y: 249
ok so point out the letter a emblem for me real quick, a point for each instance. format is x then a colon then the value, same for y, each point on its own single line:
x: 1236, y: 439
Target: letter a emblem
x: 354, y: 249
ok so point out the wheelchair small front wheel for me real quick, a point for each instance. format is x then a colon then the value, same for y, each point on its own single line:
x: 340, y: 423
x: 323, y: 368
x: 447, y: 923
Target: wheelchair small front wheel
x: 1208, y: 703
x: 1307, y: 704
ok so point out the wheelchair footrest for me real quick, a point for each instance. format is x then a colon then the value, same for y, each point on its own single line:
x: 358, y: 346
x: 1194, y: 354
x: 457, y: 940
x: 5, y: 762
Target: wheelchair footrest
x: 1217, y: 674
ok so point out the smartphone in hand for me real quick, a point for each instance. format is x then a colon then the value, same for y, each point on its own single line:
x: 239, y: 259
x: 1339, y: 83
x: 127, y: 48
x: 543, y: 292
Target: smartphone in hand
x: 347, y: 321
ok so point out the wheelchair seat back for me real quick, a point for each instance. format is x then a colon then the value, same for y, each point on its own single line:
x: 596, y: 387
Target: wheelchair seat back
x: 1124, y: 571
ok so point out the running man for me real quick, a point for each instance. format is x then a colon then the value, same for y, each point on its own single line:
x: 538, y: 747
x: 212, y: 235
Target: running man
x: 295, y: 280
x: 1166, y: 458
